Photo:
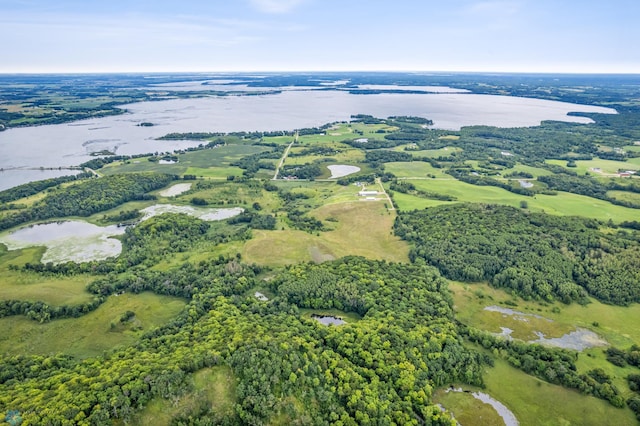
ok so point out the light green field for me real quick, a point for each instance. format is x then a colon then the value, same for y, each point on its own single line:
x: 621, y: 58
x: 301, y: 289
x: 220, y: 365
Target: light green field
x: 29, y: 286
x: 214, y: 387
x: 431, y: 153
x: 605, y: 167
x: 468, y: 410
x: 350, y: 157
x: 535, y: 171
x: 564, y: 204
x: 535, y: 402
x: 206, y: 159
x: 616, y: 324
x: 361, y: 229
x: 214, y: 172
x: 415, y: 169
x: 90, y: 334
x: 625, y: 196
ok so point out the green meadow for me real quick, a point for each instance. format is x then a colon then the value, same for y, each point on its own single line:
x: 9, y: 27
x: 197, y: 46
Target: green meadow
x: 213, y: 162
x: 53, y: 290
x: 93, y: 333
x: 564, y: 203
x: 360, y: 228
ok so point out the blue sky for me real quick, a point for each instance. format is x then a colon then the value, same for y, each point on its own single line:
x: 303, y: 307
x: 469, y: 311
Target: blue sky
x: 320, y: 35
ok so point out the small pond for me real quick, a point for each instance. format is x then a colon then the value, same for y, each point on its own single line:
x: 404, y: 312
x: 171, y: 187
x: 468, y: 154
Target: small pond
x: 74, y: 241
x: 328, y: 320
x: 341, y: 170
x: 525, y: 184
x: 260, y: 296
x: 204, y: 213
x: 176, y: 190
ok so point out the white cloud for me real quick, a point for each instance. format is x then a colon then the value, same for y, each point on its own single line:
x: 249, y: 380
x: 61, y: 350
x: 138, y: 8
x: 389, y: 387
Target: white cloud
x: 275, y: 6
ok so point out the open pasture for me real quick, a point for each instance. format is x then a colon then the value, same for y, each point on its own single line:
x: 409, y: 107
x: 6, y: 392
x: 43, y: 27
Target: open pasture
x: 360, y: 228
x: 92, y: 333
x: 536, y: 402
x: 201, y: 160
x: 29, y: 286
x: 598, y: 167
x: 564, y: 203
x: 612, y: 322
x: 415, y: 169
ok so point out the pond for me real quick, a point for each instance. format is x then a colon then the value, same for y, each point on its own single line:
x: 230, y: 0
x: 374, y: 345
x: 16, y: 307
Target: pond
x: 340, y: 170
x: 176, y: 190
x: 74, y: 241
x: 328, y: 320
x: 69, y: 144
x: 204, y: 213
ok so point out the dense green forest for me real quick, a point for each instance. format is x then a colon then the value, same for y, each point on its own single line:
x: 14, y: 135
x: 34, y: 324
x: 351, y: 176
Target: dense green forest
x: 533, y: 255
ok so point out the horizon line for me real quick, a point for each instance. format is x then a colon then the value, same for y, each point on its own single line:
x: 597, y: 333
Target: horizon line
x: 70, y: 72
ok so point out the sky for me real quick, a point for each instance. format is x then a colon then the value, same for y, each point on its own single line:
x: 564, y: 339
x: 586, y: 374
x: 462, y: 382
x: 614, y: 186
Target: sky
x: 576, y: 36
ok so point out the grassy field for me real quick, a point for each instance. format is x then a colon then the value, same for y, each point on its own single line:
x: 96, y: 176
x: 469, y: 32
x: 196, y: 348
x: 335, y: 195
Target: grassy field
x: 564, y: 204
x: 212, y: 387
x: 55, y: 291
x: 203, y: 160
x: 90, y: 334
x: 598, y: 167
x: 360, y: 228
x: 625, y: 196
x: 538, y: 403
x: 468, y: 410
x: 613, y: 322
x: 616, y: 324
x: 415, y: 169
x: 431, y: 153
x: 535, y: 171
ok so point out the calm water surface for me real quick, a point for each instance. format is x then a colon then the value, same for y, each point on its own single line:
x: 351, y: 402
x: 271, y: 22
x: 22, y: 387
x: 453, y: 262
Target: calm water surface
x: 72, y: 143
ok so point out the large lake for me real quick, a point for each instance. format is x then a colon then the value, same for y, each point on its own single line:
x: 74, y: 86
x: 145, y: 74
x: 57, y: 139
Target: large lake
x: 72, y: 143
